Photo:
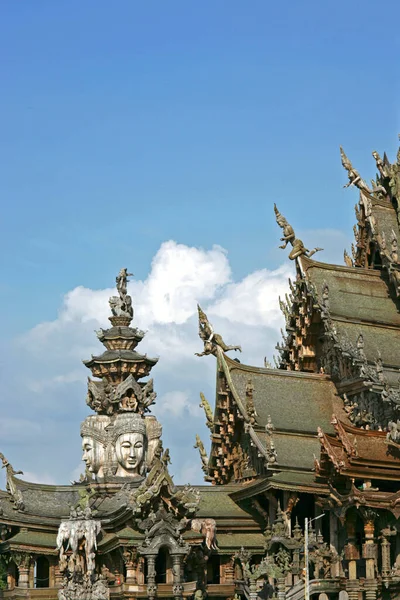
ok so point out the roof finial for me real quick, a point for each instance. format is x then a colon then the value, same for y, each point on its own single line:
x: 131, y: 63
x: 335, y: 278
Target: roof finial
x: 121, y: 305
x: 290, y: 237
x: 211, y: 340
x: 353, y: 175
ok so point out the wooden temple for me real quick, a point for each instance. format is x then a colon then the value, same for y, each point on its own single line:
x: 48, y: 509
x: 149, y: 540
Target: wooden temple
x: 315, y: 440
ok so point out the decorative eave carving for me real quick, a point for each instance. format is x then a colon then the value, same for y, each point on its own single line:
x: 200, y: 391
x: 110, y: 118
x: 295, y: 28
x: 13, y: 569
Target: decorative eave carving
x: 338, y: 464
x: 158, y: 490
x: 207, y: 411
x: 203, y: 454
x: 350, y: 448
x: 129, y: 396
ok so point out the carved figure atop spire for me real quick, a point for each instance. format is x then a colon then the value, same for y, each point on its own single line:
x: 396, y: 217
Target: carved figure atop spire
x: 353, y: 175
x: 211, y: 340
x: 290, y: 237
x: 121, y: 305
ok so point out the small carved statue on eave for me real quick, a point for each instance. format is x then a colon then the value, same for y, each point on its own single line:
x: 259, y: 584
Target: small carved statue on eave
x: 353, y: 175
x: 211, y: 339
x: 290, y: 237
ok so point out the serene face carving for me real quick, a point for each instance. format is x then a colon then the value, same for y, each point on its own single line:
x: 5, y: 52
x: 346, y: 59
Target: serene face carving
x: 130, y: 453
x: 93, y: 455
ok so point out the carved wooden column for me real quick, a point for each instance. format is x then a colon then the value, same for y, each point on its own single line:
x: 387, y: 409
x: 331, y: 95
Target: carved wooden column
x: 129, y: 556
x: 334, y: 545
x: 11, y: 575
x: 177, y: 587
x: 369, y: 554
x: 140, y: 571
x: 58, y: 576
x: 385, y: 550
x: 351, y: 554
x: 151, y: 576
x: 229, y: 575
x: 253, y: 589
x: 52, y: 571
x: 23, y: 562
x: 281, y: 588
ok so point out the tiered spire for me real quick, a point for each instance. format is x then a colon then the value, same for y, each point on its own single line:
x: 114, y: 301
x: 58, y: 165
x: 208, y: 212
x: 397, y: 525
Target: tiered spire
x: 120, y: 366
x: 120, y: 441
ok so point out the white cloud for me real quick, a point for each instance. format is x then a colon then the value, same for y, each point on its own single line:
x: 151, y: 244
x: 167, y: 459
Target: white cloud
x: 249, y: 301
x: 245, y: 312
x: 178, y: 403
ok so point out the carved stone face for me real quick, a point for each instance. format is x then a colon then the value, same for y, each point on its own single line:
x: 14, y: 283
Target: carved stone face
x: 93, y: 455
x: 130, y: 454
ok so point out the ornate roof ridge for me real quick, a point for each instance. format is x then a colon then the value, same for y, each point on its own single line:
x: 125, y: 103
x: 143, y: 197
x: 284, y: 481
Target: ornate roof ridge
x: 310, y: 263
x: 23, y: 485
x: 276, y: 372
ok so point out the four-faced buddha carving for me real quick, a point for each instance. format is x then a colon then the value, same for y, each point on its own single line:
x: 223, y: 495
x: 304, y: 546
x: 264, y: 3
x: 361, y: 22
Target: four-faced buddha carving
x: 129, y: 438
x: 94, y: 443
x: 119, y: 446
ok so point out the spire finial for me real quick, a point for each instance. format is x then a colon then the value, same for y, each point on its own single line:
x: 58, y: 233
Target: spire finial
x: 121, y: 305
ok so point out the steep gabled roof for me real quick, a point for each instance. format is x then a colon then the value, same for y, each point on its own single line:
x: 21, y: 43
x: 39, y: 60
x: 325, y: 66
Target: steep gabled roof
x: 296, y: 402
x: 359, y: 295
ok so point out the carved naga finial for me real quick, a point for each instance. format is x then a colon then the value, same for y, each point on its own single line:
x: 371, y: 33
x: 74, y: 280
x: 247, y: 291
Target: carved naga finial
x: 290, y: 237
x: 11, y: 486
x: 211, y: 340
x: 121, y: 305
x: 353, y: 174
x: 207, y: 410
x: 203, y: 454
x: 347, y: 259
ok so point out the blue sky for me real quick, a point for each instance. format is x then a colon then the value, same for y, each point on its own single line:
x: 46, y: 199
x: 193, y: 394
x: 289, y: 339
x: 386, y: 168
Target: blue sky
x: 128, y: 124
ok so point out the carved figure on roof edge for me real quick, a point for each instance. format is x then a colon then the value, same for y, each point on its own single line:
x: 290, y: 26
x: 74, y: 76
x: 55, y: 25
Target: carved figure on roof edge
x: 347, y: 259
x: 353, y: 174
x: 381, y: 166
x: 207, y: 410
x: 203, y: 454
x: 211, y: 339
x: 290, y: 237
x: 11, y: 487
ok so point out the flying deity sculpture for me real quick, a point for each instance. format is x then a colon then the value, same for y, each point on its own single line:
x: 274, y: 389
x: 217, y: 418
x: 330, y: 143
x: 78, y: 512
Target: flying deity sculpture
x: 289, y: 237
x: 353, y: 175
x: 211, y: 339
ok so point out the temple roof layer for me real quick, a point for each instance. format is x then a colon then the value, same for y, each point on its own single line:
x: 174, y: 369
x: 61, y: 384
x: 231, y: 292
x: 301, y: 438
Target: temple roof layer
x: 360, y: 295
x: 306, y: 395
